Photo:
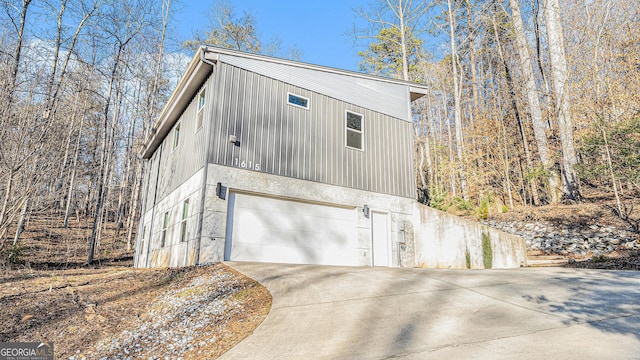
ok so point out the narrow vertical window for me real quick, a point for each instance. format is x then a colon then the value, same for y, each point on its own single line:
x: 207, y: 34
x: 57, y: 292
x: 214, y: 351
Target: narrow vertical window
x: 354, y: 135
x: 176, y: 137
x: 165, y: 223
x: 200, y: 110
x: 183, y: 222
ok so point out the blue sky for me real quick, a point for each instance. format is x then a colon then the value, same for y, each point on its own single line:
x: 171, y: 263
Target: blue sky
x: 317, y: 28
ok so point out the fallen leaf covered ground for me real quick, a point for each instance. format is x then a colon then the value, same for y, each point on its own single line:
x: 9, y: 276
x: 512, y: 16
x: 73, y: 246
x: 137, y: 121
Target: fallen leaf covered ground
x: 120, y: 312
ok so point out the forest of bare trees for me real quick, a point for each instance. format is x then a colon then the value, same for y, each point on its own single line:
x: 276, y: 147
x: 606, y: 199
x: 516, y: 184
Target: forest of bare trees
x: 82, y: 80
x: 531, y: 101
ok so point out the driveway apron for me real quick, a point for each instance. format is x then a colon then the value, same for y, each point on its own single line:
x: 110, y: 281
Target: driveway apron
x: 324, y: 312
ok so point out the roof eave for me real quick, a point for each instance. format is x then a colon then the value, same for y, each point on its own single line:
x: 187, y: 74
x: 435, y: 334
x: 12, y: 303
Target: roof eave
x: 417, y: 92
x: 196, y: 73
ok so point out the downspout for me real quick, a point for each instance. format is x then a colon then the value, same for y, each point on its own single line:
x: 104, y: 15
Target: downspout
x: 153, y: 208
x: 205, y: 170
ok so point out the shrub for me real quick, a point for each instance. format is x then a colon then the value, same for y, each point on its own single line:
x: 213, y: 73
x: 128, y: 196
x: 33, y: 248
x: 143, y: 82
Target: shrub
x: 462, y: 204
x: 438, y: 199
x: 487, y: 252
x: 467, y: 256
x: 13, y: 255
x: 482, y: 212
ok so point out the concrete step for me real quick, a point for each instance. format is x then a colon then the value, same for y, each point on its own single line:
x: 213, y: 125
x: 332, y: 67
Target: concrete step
x: 537, y: 258
x: 547, y: 257
x: 545, y: 263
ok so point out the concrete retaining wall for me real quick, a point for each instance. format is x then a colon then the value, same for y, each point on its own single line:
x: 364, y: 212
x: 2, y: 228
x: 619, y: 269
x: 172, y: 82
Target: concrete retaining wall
x: 443, y: 241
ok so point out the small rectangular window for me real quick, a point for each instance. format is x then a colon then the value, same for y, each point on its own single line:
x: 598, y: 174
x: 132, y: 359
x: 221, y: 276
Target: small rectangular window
x: 183, y: 223
x: 354, y: 131
x: 176, y: 137
x: 165, y: 223
x: 297, y: 100
x: 200, y: 111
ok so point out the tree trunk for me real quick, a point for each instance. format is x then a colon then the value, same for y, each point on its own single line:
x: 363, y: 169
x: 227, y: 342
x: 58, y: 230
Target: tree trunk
x: 559, y: 75
x: 20, y: 226
x: 73, y: 169
x: 516, y: 112
x: 104, y: 158
x: 472, y: 60
x: 403, y: 41
x: 546, y: 157
x: 457, y: 108
x: 5, y: 201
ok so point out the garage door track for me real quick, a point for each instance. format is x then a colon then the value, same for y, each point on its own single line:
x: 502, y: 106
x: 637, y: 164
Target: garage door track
x: 323, y: 312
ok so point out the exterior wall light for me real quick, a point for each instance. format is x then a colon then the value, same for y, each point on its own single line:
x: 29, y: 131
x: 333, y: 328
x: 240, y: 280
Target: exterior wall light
x: 365, y: 210
x: 221, y: 191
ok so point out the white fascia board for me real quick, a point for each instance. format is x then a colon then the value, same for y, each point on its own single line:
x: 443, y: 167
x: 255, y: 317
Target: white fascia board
x: 196, y: 73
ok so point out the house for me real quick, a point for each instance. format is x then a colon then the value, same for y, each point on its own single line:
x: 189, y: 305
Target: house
x: 255, y: 158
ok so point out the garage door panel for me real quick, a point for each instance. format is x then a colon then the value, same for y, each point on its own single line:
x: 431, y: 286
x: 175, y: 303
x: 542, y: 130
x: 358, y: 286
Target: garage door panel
x: 298, y: 222
x: 290, y: 255
x: 283, y: 237
x: 276, y: 230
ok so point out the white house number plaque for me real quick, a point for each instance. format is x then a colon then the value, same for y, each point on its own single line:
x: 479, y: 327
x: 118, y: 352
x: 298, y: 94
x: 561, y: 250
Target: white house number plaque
x: 247, y: 164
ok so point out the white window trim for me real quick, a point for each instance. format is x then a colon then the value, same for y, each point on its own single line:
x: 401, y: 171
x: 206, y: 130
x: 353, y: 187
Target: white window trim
x: 200, y: 110
x: 347, y: 129
x: 176, y: 144
x: 165, y: 229
x: 183, y: 221
x: 300, y: 96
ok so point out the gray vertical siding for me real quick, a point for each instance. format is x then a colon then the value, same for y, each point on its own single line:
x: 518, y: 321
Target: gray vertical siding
x: 176, y: 166
x: 347, y: 88
x: 282, y: 139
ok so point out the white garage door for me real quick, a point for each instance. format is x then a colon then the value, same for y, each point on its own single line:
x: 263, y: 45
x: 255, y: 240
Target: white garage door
x: 284, y: 231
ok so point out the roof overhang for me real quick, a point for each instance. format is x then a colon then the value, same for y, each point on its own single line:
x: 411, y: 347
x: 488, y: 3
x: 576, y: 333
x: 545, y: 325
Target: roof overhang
x: 417, y: 92
x: 197, y: 72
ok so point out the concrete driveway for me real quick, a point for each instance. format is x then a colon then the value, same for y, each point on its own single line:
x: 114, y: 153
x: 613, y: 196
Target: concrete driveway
x: 322, y: 312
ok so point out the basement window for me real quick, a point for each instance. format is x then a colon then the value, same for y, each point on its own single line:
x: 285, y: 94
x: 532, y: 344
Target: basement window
x: 183, y: 222
x: 200, y: 110
x: 176, y: 137
x: 354, y: 133
x: 297, y: 100
x: 165, y: 223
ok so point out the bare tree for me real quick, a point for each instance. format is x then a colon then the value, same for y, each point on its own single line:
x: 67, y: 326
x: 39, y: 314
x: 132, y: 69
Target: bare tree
x: 531, y: 90
x: 559, y: 72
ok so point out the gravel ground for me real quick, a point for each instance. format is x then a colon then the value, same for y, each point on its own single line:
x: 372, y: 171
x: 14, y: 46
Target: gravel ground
x: 125, y: 313
x: 570, y: 239
x: 179, y: 321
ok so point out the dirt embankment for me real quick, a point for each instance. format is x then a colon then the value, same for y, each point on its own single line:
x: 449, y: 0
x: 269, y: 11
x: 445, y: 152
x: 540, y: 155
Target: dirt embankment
x: 120, y: 312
